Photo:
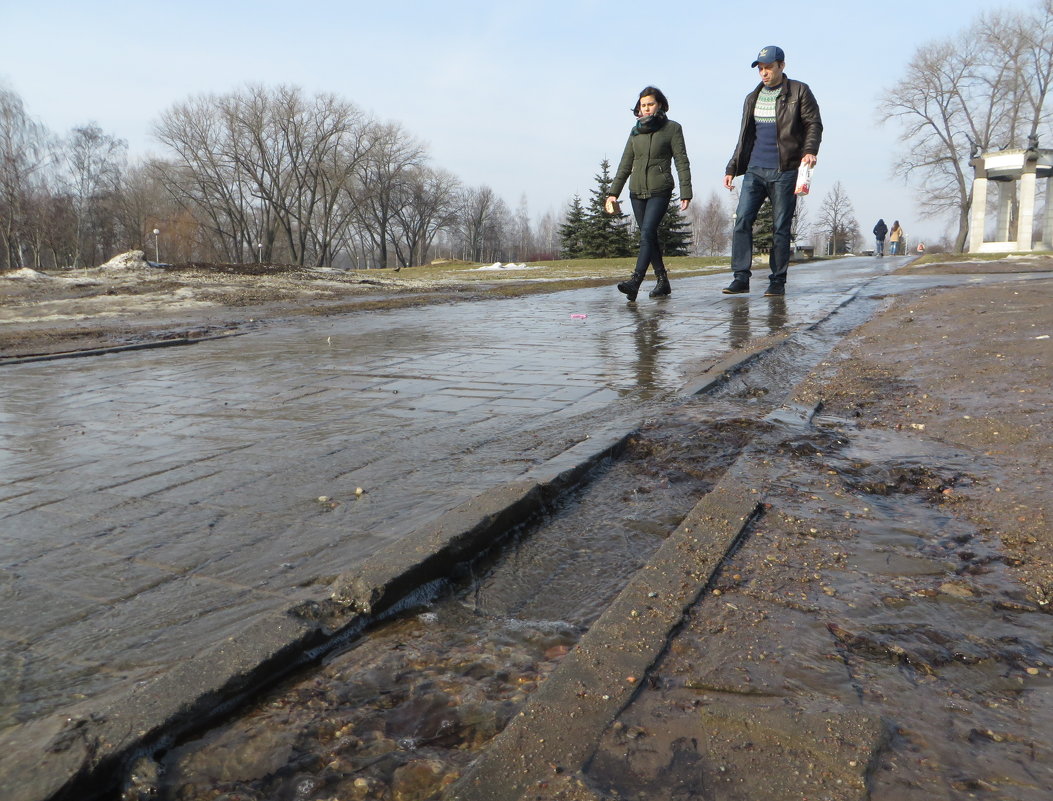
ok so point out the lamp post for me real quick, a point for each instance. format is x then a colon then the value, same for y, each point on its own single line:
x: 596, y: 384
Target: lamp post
x: 259, y: 253
x: 157, y: 258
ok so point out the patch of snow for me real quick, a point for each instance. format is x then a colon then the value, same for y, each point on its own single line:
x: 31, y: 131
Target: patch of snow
x: 133, y: 259
x: 498, y: 266
x: 27, y: 274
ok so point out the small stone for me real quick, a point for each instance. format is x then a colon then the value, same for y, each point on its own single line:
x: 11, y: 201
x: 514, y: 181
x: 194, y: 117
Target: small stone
x: 956, y: 590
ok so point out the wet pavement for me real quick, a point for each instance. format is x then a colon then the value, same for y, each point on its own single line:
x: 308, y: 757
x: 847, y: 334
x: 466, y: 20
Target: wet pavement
x: 158, y: 505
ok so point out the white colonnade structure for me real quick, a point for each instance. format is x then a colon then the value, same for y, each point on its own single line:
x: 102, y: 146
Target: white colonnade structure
x: 1016, y: 174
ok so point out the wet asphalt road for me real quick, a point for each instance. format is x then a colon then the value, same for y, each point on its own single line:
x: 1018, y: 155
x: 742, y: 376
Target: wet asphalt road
x: 154, y: 503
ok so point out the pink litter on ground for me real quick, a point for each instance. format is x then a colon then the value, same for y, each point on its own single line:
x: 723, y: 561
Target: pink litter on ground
x: 578, y: 316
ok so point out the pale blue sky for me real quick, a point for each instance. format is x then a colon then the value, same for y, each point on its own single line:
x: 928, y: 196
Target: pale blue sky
x: 526, y: 98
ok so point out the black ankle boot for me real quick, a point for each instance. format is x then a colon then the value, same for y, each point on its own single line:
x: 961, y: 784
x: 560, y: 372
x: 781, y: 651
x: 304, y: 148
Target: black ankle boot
x: 631, y: 287
x: 662, y: 288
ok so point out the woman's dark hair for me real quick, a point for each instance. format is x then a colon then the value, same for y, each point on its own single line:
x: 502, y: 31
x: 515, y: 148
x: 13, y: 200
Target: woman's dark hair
x: 656, y: 93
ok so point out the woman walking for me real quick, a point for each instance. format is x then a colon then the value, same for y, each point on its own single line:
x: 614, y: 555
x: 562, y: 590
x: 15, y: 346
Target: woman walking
x: 895, y: 235
x: 654, y: 143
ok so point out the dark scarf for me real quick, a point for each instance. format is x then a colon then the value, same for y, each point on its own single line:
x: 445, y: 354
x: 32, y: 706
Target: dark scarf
x: 646, y: 125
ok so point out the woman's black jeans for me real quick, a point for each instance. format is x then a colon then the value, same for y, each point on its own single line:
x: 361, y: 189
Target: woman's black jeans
x: 649, y: 212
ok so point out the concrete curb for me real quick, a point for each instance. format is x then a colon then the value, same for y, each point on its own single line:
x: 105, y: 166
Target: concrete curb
x: 562, y: 723
x: 157, y: 343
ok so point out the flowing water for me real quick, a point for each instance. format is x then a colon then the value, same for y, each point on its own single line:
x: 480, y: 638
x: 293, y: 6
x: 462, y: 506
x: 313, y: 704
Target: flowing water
x: 401, y: 711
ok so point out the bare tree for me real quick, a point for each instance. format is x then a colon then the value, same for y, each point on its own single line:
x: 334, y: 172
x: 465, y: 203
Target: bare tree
x: 711, y: 226
x: 317, y: 148
x: 547, y: 236
x: 425, y: 204
x: 983, y: 89
x: 483, y: 224
x: 837, y: 219
x: 23, y: 157
x: 799, y: 223
x: 94, y: 165
x: 389, y: 165
x: 206, y: 177
x: 267, y: 167
x: 522, y: 245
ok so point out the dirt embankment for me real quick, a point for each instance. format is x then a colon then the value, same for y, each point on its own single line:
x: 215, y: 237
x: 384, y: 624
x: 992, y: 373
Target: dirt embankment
x: 128, y: 301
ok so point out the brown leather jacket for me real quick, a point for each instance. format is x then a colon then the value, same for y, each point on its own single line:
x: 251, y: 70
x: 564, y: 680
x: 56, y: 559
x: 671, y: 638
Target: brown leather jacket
x: 798, y: 124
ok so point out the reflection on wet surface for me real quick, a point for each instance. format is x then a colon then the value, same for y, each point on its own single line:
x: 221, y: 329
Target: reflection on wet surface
x: 770, y: 313
x: 180, y: 486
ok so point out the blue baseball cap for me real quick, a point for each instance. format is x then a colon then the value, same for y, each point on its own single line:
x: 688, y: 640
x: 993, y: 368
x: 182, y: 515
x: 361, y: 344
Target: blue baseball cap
x: 769, y: 54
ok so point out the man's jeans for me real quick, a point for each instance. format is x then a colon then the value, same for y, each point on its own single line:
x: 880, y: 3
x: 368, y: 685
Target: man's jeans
x: 759, y: 183
x: 880, y: 249
x: 649, y: 213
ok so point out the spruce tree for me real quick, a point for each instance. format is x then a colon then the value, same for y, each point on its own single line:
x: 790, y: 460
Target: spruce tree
x: 674, y: 232
x: 572, y: 231
x: 606, y: 235
x: 764, y: 229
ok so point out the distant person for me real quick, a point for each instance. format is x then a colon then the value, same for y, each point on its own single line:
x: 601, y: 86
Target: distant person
x: 781, y: 130
x: 654, y: 143
x: 880, y: 231
x: 895, y: 236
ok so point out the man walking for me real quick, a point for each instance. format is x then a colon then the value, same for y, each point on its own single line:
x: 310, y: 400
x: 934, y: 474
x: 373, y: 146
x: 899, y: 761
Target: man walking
x: 781, y: 130
x: 879, y: 237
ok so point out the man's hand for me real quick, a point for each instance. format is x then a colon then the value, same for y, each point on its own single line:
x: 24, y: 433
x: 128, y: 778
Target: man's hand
x: 809, y: 159
x: 684, y: 204
x: 729, y: 181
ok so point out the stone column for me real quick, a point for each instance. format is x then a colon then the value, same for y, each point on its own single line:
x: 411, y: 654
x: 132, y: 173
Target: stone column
x: 1006, y: 191
x: 1047, y: 228
x: 1025, y: 231
x: 978, y: 210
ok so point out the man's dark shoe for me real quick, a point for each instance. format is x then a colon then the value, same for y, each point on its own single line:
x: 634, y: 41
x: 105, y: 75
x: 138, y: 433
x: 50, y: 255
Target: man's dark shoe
x: 775, y: 289
x: 661, y: 289
x: 737, y: 287
x: 630, y: 288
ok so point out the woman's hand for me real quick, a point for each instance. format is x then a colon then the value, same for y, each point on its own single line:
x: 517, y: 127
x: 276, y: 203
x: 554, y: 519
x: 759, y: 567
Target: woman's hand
x: 684, y: 203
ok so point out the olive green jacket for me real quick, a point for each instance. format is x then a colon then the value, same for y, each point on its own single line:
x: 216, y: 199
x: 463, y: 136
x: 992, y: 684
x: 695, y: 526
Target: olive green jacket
x: 647, y: 159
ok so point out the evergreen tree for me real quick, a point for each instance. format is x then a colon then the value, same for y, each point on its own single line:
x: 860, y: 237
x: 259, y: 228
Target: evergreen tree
x: 674, y: 232
x: 606, y: 235
x: 572, y: 231
x: 764, y: 229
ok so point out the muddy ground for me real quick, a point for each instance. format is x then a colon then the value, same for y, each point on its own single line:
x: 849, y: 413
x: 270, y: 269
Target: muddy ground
x: 132, y: 302
x: 884, y: 632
